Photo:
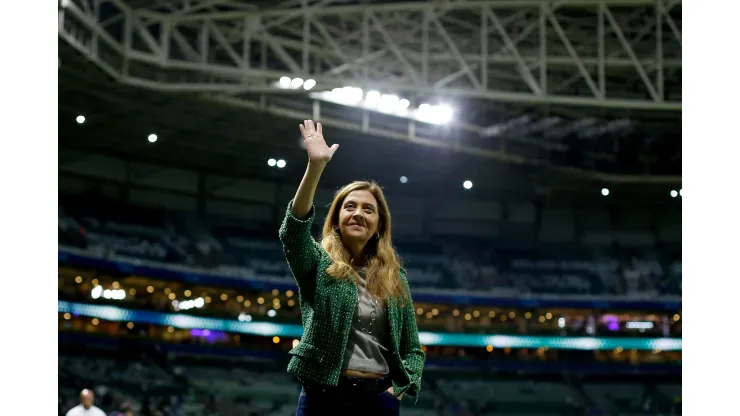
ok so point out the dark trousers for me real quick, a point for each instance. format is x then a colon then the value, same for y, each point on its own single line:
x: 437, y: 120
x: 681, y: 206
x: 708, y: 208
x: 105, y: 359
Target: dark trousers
x: 353, y: 397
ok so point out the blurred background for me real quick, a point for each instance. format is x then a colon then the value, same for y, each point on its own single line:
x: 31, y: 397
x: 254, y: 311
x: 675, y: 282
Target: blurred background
x: 530, y: 151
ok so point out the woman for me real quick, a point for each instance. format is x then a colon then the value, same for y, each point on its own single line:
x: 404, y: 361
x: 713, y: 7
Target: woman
x: 360, y: 351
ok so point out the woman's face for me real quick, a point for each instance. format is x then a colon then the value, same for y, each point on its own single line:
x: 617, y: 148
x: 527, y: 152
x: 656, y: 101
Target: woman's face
x: 358, y: 218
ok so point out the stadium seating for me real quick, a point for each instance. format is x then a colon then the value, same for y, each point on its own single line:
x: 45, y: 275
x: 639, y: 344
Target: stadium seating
x: 253, y: 251
x: 191, y: 388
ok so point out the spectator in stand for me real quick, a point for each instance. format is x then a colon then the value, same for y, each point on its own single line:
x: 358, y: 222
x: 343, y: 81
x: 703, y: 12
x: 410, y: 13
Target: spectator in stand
x: 86, y: 407
x: 125, y: 410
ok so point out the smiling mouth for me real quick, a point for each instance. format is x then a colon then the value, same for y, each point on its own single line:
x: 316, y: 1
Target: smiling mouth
x: 357, y: 225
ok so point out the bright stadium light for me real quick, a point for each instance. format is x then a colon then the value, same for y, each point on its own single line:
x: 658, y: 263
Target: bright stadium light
x: 404, y: 179
x: 444, y: 113
x: 310, y: 83
x: 271, y: 162
x: 152, y: 138
x: 436, y: 114
x: 296, y: 83
x: 372, y: 98
x: 467, y: 184
x: 284, y: 82
x: 388, y: 103
x: 680, y: 192
x: 96, y: 292
x: 604, y: 191
x: 271, y: 313
x: 674, y: 193
x: 80, y: 119
x: 281, y: 163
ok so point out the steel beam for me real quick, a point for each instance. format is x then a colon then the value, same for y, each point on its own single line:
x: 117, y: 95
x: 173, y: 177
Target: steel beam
x: 368, y: 45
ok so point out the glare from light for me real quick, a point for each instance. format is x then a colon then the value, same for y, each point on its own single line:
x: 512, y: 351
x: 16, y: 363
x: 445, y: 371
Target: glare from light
x: 604, y: 191
x: 116, y: 294
x: 680, y: 192
x: 350, y: 94
x: 271, y: 313
x: 674, y: 193
x: 97, y: 292
x: 285, y: 82
x: 295, y: 343
x: 444, y: 113
x: 152, y: 138
x: 243, y: 317
x: 561, y: 322
x: 436, y: 114
x: 190, y: 304
x: 388, y: 103
x: 404, y: 179
x: 310, y: 83
x: 271, y: 162
x: 404, y: 104
x: 295, y: 83
x: 80, y: 119
x: 281, y: 163
x: 372, y: 98
x: 467, y: 184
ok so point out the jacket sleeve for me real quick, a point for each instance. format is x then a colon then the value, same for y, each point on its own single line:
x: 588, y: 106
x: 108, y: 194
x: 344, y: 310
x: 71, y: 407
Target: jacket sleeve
x: 410, y: 348
x: 301, y: 250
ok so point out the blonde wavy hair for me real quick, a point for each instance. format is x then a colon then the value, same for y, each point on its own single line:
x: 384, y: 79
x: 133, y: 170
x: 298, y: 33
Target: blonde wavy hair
x: 382, y: 264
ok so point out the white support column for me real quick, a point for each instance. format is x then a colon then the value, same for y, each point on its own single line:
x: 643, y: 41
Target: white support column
x: 204, y: 43
x: 165, y: 36
x: 247, y: 42
x: 659, y: 49
x: 640, y: 70
x: 127, y: 36
x: 145, y: 36
x: 456, y: 53
x: 221, y: 39
x: 426, y: 17
x: 601, y: 49
x: 95, y: 36
x: 543, y: 46
x: 522, y: 66
x: 574, y: 55
x: 305, y: 62
x: 411, y: 71
x: 483, y: 48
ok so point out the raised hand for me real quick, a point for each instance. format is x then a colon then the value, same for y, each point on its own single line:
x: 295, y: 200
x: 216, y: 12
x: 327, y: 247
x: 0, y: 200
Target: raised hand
x: 316, y: 146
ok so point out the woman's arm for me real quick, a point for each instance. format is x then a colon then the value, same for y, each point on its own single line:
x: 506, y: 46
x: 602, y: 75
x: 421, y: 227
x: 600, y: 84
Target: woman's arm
x: 410, y: 348
x: 319, y: 154
x: 301, y: 250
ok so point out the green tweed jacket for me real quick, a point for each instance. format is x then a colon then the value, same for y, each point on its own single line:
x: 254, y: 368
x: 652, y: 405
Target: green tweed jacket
x: 327, y: 310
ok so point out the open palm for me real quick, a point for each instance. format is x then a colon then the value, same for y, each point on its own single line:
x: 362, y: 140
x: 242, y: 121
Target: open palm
x: 316, y: 146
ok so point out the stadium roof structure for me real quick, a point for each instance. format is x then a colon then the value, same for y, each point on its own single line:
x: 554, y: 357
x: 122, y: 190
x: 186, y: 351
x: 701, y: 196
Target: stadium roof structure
x: 585, y: 88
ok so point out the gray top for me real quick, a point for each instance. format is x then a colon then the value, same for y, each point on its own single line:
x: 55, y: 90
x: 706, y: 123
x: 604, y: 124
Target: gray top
x: 366, y: 351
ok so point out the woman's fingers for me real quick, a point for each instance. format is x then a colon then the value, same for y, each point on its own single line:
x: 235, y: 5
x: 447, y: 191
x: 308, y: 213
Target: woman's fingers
x: 309, y: 129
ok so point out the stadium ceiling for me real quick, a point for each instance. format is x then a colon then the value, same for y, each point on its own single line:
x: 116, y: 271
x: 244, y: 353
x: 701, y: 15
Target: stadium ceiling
x: 514, y: 71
